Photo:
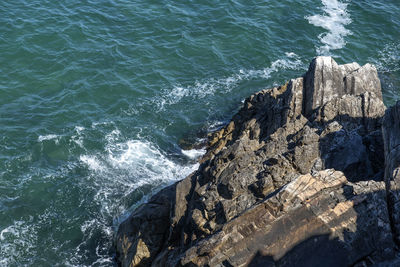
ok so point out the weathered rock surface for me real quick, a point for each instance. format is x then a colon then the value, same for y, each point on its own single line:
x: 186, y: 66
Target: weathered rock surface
x: 297, y: 176
x: 327, y: 215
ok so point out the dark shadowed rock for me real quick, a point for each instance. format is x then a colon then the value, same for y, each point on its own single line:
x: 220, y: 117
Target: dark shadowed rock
x: 391, y: 133
x: 298, y: 171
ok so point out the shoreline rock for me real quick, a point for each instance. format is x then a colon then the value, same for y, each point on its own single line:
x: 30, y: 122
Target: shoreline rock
x: 297, y: 176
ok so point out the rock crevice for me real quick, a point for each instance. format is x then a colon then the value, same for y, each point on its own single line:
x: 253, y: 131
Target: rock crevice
x: 297, y: 176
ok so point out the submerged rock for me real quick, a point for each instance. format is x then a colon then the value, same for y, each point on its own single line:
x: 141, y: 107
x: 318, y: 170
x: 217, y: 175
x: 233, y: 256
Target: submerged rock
x: 296, y: 177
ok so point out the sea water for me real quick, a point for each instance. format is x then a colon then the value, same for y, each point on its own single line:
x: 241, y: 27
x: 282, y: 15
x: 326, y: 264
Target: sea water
x: 97, y: 96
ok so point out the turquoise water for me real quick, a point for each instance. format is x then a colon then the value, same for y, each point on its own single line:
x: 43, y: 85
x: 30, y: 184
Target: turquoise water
x: 96, y: 96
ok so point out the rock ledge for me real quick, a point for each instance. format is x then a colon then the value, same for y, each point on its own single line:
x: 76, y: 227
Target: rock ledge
x: 298, y: 177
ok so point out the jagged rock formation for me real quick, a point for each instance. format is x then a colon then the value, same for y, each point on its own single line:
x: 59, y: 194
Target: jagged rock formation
x: 297, y: 177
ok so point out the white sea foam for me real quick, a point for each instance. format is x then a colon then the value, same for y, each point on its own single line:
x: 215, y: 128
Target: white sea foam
x: 77, y: 138
x: 127, y: 165
x: 334, y: 20
x: 291, y: 54
x: 145, y: 161
x: 16, y: 242
x: 291, y: 62
x: 42, y: 138
x: 215, y: 125
x: 92, y: 162
x: 121, y: 169
x: 202, y: 89
x: 194, y: 153
x: 101, y: 123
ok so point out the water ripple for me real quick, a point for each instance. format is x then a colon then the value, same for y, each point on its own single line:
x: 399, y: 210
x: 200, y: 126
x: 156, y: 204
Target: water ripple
x: 95, y: 96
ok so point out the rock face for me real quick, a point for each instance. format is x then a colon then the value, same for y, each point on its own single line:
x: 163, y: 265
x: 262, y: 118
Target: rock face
x: 391, y: 132
x: 296, y: 178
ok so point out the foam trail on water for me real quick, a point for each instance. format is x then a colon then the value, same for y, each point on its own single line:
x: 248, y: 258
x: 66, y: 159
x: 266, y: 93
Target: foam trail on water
x: 208, y: 87
x: 334, y: 20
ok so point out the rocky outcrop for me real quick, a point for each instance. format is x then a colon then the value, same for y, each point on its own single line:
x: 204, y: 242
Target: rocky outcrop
x: 297, y: 176
x: 319, y: 219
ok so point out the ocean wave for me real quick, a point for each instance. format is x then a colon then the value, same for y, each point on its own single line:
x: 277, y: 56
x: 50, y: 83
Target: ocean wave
x: 334, y: 20
x: 194, y: 153
x: 124, y: 167
x: 127, y: 165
